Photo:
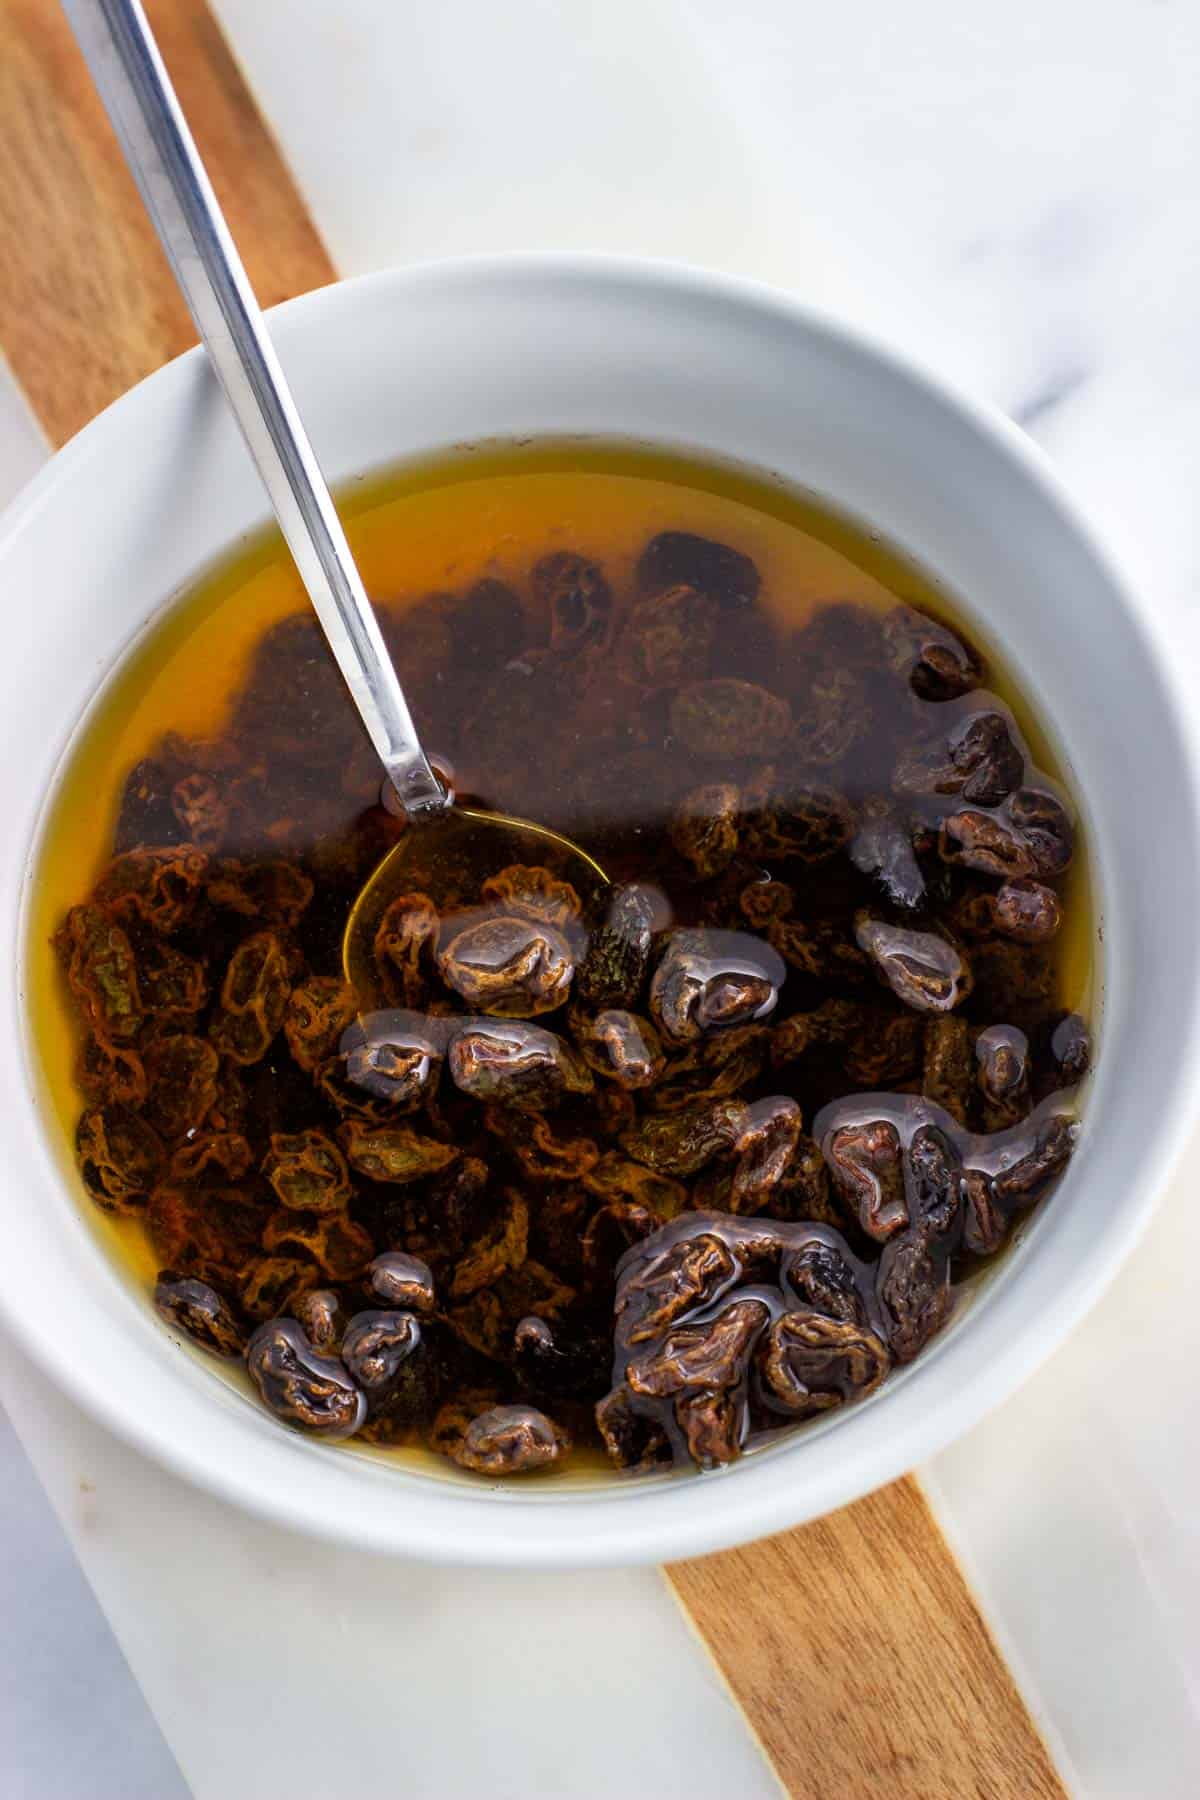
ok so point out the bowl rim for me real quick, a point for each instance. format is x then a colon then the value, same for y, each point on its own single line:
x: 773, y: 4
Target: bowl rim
x: 611, y: 1527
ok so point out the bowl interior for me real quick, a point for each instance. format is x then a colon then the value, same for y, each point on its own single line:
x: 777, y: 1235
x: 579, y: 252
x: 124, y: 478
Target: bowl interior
x: 401, y: 365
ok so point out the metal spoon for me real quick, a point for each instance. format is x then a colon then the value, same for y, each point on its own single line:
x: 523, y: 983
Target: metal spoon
x: 133, y: 83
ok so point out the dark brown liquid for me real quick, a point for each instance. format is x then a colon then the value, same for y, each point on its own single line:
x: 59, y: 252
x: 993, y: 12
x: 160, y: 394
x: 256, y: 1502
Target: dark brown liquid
x: 581, y: 738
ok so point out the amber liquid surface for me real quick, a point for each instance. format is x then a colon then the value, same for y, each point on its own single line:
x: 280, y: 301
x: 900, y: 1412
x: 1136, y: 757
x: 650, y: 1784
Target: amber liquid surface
x: 422, y: 531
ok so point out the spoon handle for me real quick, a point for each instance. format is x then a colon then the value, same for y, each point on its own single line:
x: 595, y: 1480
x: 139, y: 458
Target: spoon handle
x: 136, y: 90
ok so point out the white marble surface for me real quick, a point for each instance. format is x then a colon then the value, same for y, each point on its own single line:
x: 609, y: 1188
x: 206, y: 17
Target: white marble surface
x: 1010, y: 194
x: 66, y: 1692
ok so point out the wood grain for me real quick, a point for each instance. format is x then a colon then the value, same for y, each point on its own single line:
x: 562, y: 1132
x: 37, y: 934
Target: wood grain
x: 853, y: 1645
x: 857, y: 1652
x: 87, y: 303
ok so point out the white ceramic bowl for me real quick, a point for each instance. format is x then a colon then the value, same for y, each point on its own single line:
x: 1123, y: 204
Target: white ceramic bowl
x: 404, y: 363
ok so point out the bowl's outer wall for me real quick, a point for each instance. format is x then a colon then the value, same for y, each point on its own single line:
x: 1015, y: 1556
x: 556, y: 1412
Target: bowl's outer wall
x: 404, y: 363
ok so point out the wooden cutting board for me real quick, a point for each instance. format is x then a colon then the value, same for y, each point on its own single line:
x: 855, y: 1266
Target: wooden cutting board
x: 853, y: 1645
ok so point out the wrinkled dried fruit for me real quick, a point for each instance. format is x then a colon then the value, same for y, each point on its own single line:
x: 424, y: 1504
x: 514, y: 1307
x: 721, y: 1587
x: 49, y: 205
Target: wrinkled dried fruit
x: 182, y: 1077
x: 618, y: 953
x: 300, y: 1386
x: 1017, y: 1184
x: 668, y: 638
x: 712, y: 1425
x: 158, y: 888
x: 949, y: 1075
x: 120, y: 1158
x: 1023, y: 909
x: 705, y: 1356
x: 197, y: 1309
x: 540, y: 1153
x: 404, y: 1281
x: 984, y: 1224
x: 511, y: 1440
x: 254, y: 997
x: 797, y: 1329
x: 271, y: 1285
x: 834, y: 715
x: 201, y: 1231
x: 705, y: 828
x: 710, y: 980
x: 146, y: 815
x: 764, y: 1148
x: 1027, y: 911
x: 936, y: 664
x: 729, y: 718
x: 339, y: 1247
x: 803, y: 1190
x: 1029, y: 835
x: 577, y: 598
x: 764, y: 901
x: 620, y: 1046
x: 173, y: 986
x: 801, y: 819
x: 823, y: 951
x: 1071, y: 1049
x: 480, y: 1323
x: 828, y: 1026
x: 308, y: 1171
x: 711, y: 1068
x: 865, y: 1162
x: 935, y: 1176
x: 223, y: 1156
x: 987, y: 842
x: 394, y: 1058
x: 111, y: 1072
x: 632, y: 1440
x: 319, y: 1010
x: 404, y: 947
x: 1044, y: 825
x: 811, y: 1363
x: 913, y: 1285
x: 922, y: 968
x: 683, y: 1143
x: 725, y: 574
x: 514, y: 1064
x: 978, y: 761
x: 393, y: 1152
x: 1002, y: 1054
x: 821, y: 1274
x: 513, y: 968
x: 687, y: 1274
x: 102, y: 974
x: 614, y: 1177
x: 984, y: 754
x: 503, y: 1246
x: 320, y: 1315
x: 533, y: 893
x: 375, y: 1346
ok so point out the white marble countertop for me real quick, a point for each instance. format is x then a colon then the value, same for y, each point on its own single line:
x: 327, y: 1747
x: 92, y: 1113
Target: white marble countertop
x: 1010, y: 194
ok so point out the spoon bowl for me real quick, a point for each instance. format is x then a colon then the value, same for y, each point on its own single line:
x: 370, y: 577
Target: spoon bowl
x: 447, y: 857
